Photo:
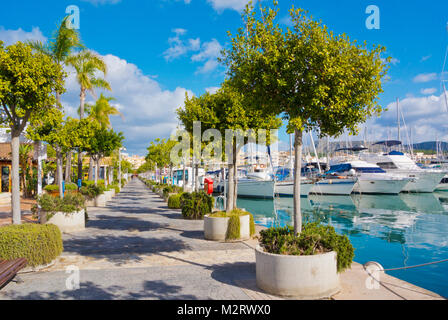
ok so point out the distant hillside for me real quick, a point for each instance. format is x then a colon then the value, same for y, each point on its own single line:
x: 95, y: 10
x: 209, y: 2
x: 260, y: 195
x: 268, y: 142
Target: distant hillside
x: 431, y: 146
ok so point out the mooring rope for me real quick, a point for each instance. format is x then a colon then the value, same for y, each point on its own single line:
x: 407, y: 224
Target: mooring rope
x: 411, y: 267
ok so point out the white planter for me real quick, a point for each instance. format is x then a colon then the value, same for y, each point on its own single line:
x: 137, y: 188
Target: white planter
x: 100, y: 201
x: 303, y: 277
x: 90, y: 203
x: 216, y: 228
x: 69, y: 222
x: 108, y: 195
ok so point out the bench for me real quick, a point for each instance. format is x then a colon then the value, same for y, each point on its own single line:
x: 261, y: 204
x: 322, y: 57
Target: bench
x: 9, y: 269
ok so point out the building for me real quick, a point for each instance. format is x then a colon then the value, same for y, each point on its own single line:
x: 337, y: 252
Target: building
x: 135, y: 160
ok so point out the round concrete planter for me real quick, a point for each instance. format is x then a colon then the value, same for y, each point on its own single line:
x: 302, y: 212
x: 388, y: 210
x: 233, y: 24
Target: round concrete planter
x: 90, y: 203
x: 108, y: 195
x: 100, y: 201
x: 302, y: 277
x: 69, y: 222
x: 216, y: 228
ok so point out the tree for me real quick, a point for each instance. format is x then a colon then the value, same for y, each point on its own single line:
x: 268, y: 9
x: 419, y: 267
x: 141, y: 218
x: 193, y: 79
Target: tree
x: 159, y: 153
x: 60, y: 134
x: 313, y: 78
x: 87, y: 66
x: 28, y: 81
x: 102, y: 143
x: 60, y: 47
x: 226, y: 110
x: 102, y: 110
x: 25, y: 156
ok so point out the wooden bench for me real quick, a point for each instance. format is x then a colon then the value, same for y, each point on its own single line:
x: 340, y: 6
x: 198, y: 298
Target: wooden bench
x: 9, y: 269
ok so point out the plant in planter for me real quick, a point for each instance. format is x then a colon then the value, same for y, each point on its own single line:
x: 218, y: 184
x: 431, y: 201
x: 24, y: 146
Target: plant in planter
x: 174, y: 201
x: 67, y: 213
x: 235, y: 225
x: 196, y: 205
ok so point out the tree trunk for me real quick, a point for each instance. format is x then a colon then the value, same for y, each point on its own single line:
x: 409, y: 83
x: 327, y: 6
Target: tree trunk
x: 68, y: 167
x: 59, y: 169
x: 297, y: 176
x: 15, y: 180
x: 97, y: 172
x: 82, y: 98
x: 231, y: 185
x: 235, y: 177
x: 105, y: 176
x: 91, y: 164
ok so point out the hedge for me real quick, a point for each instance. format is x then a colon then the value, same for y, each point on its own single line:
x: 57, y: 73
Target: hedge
x: 39, y: 244
x: 174, y: 201
x: 196, y: 205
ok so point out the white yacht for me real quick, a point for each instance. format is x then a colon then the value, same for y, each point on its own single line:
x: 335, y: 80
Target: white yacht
x: 334, y: 185
x: 286, y: 188
x: 371, y: 178
x: 397, y: 163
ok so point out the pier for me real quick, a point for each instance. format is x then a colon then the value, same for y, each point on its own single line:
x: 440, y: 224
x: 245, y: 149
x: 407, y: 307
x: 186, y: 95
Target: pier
x: 138, y: 248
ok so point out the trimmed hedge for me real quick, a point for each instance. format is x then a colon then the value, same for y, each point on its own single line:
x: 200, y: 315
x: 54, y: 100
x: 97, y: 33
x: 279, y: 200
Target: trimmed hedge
x: 174, y: 201
x: 39, y: 244
x: 196, y: 205
x: 314, y: 239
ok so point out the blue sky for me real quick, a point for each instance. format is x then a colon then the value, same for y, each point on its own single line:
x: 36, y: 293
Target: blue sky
x: 157, y: 50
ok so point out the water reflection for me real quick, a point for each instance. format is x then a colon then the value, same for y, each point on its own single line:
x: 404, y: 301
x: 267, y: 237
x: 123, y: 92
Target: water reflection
x: 399, y: 230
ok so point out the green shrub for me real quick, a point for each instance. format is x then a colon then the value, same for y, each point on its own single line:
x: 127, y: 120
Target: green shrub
x: 167, y: 190
x: 72, y: 202
x: 51, y: 187
x: 196, y: 205
x: 234, y: 228
x: 314, y: 239
x: 39, y: 244
x: 91, y: 191
x: 174, y: 201
x: 70, y: 186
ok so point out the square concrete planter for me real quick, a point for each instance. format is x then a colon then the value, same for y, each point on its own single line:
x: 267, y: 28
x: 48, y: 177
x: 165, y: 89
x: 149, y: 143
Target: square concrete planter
x: 216, y: 228
x: 109, y: 194
x: 100, y: 201
x: 302, y: 277
x: 90, y: 202
x: 69, y: 222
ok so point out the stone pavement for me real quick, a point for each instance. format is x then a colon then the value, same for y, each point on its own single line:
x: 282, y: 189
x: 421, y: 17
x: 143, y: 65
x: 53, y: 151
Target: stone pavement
x: 138, y: 248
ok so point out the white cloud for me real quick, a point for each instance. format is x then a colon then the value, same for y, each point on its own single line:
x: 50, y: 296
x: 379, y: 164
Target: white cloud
x: 220, y: 5
x: 212, y: 89
x: 12, y: 36
x: 148, y: 109
x: 207, y: 52
x: 425, y: 77
x: 428, y: 91
x: 427, y: 117
x: 425, y: 58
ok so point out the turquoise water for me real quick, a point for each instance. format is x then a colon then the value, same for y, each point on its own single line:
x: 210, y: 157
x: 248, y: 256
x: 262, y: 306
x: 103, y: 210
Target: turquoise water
x: 396, y: 231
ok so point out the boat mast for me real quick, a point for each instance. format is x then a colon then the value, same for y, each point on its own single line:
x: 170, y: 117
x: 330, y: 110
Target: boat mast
x: 315, y: 152
x: 398, y: 121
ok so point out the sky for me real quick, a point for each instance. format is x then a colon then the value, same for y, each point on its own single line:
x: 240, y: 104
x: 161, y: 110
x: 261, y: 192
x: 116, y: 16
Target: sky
x: 159, y: 50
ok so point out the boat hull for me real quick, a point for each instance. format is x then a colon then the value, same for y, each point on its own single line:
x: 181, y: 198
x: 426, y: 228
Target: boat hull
x: 334, y: 187
x: 286, y: 188
x: 372, y: 185
x: 422, y: 181
x: 252, y: 189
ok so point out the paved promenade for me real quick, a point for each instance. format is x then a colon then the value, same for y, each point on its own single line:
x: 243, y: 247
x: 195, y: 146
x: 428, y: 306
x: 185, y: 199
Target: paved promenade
x: 138, y: 248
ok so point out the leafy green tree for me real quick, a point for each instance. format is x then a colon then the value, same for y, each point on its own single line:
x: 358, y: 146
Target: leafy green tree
x: 87, y: 66
x: 315, y: 79
x: 59, y: 48
x: 159, y: 153
x: 222, y: 111
x: 102, y: 143
x: 28, y: 81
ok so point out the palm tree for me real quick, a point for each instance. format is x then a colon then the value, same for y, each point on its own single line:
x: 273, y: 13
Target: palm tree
x: 60, y: 48
x: 102, y: 110
x: 87, y: 64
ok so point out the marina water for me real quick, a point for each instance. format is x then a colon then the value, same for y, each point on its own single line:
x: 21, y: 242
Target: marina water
x: 396, y: 231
